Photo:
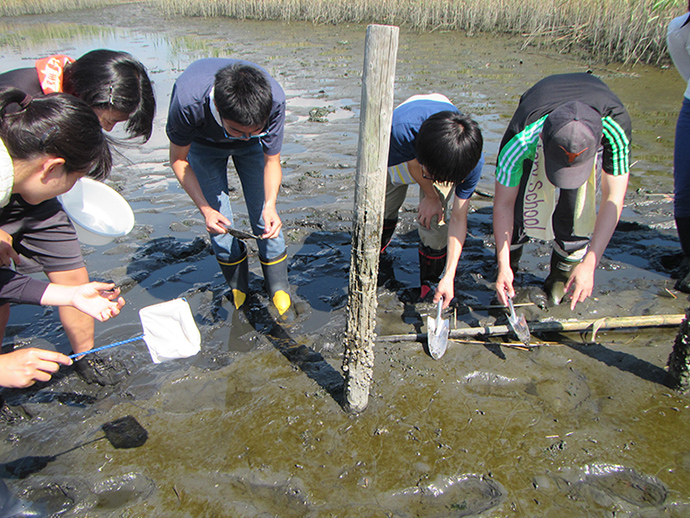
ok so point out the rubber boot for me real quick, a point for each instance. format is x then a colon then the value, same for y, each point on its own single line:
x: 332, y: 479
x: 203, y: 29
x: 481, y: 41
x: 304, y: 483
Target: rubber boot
x: 683, y: 227
x: 387, y: 233
x: 431, y: 265
x: 515, y: 256
x: 561, y: 269
x: 236, y: 274
x: 276, y: 278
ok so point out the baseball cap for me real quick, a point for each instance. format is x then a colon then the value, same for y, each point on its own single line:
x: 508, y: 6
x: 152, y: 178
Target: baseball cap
x: 571, y: 136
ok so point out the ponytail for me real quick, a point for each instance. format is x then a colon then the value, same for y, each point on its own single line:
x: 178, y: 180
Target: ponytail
x: 59, y: 125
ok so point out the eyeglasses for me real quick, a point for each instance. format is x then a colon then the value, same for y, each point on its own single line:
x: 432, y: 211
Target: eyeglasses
x: 243, y: 136
x: 425, y: 174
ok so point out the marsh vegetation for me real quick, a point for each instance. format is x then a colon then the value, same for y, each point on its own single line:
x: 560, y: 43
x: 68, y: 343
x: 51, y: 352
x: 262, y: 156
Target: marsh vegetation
x: 629, y: 31
x: 608, y: 30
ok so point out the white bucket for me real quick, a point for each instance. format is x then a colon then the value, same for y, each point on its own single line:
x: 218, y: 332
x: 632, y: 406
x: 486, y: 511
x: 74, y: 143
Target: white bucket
x: 98, y: 212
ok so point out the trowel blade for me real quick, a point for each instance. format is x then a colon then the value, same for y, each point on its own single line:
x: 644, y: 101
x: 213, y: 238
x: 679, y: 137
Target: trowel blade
x: 437, y: 333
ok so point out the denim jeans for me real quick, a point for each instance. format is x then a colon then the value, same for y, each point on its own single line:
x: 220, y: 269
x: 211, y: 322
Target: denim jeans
x: 681, y: 163
x: 210, y: 165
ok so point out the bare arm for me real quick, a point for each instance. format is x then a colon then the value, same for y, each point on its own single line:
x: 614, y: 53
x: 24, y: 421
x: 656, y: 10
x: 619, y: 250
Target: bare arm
x: 273, y: 175
x: 431, y: 205
x: 504, y: 207
x: 613, y: 190
x: 457, y: 231
x: 97, y: 299
x: 216, y: 223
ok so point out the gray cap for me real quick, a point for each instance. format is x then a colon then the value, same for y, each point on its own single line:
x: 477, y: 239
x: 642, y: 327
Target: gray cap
x: 572, y: 136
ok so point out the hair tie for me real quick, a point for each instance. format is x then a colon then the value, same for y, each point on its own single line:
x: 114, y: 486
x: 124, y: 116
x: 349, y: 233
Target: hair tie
x: 24, y: 103
x: 110, y: 95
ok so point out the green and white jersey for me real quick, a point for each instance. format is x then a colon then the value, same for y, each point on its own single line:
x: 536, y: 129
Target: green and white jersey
x: 520, y: 140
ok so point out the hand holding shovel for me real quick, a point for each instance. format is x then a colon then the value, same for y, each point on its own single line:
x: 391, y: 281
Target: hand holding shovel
x: 518, y: 323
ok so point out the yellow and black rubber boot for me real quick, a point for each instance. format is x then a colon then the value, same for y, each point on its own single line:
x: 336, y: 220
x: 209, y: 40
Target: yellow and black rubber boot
x: 561, y: 270
x: 276, y: 278
x: 236, y: 274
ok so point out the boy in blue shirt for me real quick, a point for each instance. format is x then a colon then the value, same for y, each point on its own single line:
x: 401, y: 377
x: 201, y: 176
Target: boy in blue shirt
x: 223, y: 108
x: 440, y: 149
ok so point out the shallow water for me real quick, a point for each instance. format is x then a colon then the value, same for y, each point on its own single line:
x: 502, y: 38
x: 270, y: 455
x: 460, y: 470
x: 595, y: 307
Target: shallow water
x: 252, y: 426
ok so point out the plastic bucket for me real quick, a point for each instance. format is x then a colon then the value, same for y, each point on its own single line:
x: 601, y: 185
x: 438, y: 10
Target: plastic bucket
x: 98, y: 212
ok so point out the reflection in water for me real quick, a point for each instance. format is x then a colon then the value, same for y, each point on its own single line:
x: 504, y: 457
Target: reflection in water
x: 253, y: 424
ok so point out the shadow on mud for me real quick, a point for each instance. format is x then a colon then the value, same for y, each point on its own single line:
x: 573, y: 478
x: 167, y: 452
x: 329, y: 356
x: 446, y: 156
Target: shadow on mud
x: 312, y: 363
x: 620, y: 360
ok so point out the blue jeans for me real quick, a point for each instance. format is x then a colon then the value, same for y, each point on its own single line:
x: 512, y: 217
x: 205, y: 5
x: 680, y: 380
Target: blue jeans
x: 210, y: 165
x: 681, y: 163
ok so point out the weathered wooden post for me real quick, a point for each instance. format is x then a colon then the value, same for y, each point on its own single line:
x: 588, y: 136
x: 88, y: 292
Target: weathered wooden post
x: 381, y: 48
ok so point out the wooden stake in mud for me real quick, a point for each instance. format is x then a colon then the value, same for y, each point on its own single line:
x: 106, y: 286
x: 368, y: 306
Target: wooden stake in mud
x: 381, y: 48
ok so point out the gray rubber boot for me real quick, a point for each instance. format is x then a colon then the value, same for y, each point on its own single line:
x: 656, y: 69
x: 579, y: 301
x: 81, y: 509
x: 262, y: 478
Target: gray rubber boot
x: 561, y: 269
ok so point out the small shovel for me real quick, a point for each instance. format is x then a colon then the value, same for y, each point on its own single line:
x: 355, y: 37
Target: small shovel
x: 518, y: 324
x: 437, y: 333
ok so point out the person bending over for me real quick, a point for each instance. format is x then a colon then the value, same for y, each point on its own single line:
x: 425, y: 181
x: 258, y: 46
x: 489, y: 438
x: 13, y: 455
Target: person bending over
x: 565, y: 131
x: 222, y: 108
x: 440, y: 149
x: 117, y: 88
x: 45, y: 147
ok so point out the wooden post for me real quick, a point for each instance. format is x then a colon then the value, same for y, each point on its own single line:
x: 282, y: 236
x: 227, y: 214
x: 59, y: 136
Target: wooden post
x: 381, y: 48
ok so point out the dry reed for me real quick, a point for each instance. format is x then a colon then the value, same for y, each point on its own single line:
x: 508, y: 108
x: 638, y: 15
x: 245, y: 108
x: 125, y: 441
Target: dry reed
x: 629, y: 31
x: 20, y: 7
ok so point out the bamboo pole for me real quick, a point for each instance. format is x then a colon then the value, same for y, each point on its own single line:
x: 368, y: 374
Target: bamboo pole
x: 552, y: 326
x: 376, y: 116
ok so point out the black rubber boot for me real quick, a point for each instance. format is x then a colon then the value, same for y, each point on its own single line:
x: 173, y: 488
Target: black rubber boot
x: 431, y: 265
x: 387, y: 233
x: 101, y: 369
x: 276, y: 278
x: 683, y: 227
x: 236, y: 274
x: 561, y: 269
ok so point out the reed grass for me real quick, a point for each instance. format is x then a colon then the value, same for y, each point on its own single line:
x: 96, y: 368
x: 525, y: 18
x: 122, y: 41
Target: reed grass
x: 21, y: 7
x: 629, y: 31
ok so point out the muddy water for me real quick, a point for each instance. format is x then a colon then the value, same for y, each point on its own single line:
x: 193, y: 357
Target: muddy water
x: 252, y: 426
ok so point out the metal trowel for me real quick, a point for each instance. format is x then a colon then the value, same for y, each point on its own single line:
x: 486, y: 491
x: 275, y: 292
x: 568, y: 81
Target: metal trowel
x: 518, y: 323
x: 437, y: 333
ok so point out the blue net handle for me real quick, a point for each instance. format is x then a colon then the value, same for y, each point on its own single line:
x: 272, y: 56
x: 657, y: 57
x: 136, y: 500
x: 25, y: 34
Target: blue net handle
x: 77, y: 355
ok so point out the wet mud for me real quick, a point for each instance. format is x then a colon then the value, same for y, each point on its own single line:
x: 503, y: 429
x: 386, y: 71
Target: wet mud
x: 253, y: 425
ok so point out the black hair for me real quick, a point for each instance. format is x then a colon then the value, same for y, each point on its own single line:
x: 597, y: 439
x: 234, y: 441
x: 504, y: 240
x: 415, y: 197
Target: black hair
x: 59, y: 125
x: 449, y: 146
x: 109, y: 79
x: 243, y: 95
